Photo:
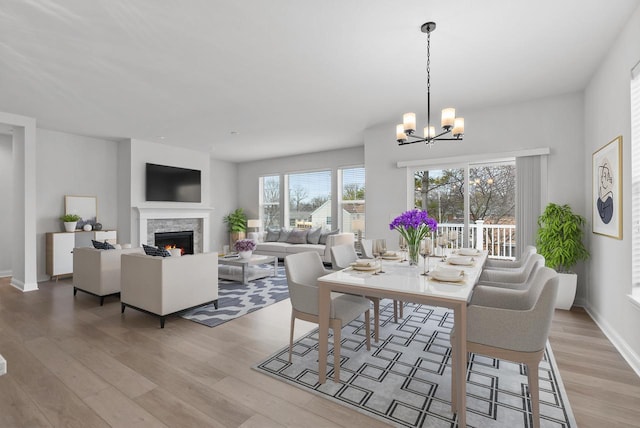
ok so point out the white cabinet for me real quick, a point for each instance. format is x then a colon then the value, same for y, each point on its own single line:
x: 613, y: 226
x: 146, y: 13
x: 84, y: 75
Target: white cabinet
x: 60, y: 248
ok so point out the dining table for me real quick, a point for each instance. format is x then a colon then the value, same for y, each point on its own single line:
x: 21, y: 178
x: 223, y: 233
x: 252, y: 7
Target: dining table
x: 403, y: 282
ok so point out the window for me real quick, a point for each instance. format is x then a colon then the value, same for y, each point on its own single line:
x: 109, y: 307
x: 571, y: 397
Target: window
x: 488, y: 202
x: 635, y: 181
x: 308, y: 199
x: 352, y: 200
x: 270, y: 201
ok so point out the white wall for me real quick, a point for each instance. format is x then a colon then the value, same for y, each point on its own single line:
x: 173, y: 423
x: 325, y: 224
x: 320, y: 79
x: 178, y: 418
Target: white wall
x: 6, y: 194
x: 249, y: 172
x: 555, y: 122
x: 68, y: 164
x: 607, y: 115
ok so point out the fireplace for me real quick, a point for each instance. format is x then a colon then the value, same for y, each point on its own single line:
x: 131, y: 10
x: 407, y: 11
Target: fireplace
x: 182, y: 240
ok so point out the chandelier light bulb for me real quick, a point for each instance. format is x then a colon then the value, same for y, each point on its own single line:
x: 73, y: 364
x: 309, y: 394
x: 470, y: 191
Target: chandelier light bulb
x: 448, y: 118
x: 458, y: 127
x: 409, y: 122
x: 400, y: 135
x: 429, y: 132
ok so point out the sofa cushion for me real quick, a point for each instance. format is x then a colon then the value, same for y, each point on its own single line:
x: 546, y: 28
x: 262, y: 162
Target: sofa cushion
x: 324, y: 235
x: 153, y: 251
x: 277, y: 247
x: 298, y: 236
x: 302, y: 248
x: 313, y: 237
x: 272, y: 235
x: 284, y: 235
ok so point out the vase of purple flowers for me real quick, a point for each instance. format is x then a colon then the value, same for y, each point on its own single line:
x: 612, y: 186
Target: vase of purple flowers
x: 245, y: 248
x: 414, y: 225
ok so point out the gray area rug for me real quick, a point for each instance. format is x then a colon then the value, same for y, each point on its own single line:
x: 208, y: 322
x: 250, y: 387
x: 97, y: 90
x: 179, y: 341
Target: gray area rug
x: 236, y: 299
x: 405, y: 380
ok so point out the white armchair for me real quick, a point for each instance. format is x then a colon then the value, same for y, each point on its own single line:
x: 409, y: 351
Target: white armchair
x: 97, y: 272
x: 516, y: 279
x: 165, y: 285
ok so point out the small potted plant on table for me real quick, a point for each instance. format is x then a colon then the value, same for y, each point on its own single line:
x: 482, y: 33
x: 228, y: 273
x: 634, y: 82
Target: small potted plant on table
x: 70, y: 221
x: 559, y: 241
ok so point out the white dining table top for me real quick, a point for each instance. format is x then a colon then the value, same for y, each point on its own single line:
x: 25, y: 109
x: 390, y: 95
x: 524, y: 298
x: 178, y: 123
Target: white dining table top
x: 399, y: 277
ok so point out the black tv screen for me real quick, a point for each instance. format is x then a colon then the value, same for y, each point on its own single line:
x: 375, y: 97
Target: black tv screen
x: 172, y: 184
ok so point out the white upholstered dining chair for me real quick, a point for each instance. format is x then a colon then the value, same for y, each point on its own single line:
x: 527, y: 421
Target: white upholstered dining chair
x: 512, y: 278
x: 496, y: 264
x: 303, y: 271
x: 514, y: 325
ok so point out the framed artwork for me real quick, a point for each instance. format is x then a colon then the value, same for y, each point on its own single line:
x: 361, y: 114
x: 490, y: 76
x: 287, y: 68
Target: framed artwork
x: 84, y: 206
x: 607, y: 189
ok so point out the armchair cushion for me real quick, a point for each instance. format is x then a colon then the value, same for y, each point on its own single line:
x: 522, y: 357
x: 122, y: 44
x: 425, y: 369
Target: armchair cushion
x: 102, y: 245
x: 313, y: 237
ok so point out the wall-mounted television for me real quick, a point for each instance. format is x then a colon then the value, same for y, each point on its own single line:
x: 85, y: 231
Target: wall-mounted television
x: 172, y: 184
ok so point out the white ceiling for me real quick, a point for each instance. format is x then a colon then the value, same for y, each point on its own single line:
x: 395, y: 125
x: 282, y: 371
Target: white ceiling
x: 290, y: 76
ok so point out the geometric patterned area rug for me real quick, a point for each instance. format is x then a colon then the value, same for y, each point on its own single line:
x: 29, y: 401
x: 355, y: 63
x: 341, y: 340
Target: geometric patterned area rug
x: 236, y: 299
x: 405, y: 379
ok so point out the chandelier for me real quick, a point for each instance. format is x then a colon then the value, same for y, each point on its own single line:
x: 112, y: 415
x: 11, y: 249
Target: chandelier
x: 405, y: 132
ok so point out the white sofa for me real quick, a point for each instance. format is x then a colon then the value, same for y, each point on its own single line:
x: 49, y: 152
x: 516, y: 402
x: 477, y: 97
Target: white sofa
x: 165, y: 285
x: 282, y: 249
x: 97, y: 272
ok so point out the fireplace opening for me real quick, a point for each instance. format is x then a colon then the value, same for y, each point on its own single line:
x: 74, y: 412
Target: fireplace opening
x: 182, y: 240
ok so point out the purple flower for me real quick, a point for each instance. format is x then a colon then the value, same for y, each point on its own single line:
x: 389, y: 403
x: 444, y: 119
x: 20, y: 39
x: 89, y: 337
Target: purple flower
x: 414, y: 225
x: 244, y: 245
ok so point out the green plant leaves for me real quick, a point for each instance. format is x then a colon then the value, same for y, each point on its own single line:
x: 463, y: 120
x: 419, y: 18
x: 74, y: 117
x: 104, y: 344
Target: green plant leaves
x: 559, y: 238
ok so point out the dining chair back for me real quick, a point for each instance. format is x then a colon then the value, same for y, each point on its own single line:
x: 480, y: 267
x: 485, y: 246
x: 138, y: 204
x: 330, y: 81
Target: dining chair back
x: 517, y: 279
x: 342, y: 256
x: 302, y: 271
x: 498, y: 264
x: 366, y: 246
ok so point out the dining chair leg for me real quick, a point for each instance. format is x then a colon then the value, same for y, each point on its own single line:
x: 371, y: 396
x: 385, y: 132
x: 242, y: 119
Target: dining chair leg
x: 367, y: 327
x: 376, y: 317
x: 293, y: 322
x: 336, y: 326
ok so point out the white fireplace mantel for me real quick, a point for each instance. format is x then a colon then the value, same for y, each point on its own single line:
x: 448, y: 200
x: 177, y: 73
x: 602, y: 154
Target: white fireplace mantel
x: 151, y: 213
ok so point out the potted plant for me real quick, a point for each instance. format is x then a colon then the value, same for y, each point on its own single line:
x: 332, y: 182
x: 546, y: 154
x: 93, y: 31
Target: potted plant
x: 244, y: 247
x: 70, y: 221
x: 237, y: 225
x: 559, y: 241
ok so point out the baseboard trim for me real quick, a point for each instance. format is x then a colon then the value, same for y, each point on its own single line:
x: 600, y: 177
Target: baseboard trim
x: 24, y: 287
x: 620, y: 344
x: 6, y: 273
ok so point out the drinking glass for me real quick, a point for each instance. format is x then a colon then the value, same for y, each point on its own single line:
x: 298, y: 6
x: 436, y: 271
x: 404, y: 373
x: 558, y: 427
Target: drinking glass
x: 453, y: 238
x: 403, y: 247
x: 382, y: 248
x: 376, y: 253
x: 441, y: 241
x: 425, y: 252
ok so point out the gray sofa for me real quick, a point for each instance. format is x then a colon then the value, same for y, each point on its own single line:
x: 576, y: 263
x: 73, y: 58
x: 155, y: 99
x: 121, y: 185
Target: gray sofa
x: 282, y: 249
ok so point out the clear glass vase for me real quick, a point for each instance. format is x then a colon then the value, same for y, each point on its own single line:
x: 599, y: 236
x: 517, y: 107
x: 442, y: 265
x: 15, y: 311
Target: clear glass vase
x: 414, y: 253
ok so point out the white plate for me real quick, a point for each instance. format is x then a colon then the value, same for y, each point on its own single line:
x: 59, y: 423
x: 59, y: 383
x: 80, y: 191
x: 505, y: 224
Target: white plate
x: 460, y: 260
x: 447, y: 275
x: 363, y: 268
x: 468, y: 252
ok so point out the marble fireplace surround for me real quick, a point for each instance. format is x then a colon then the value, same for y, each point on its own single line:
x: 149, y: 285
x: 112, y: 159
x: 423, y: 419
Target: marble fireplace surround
x: 165, y: 220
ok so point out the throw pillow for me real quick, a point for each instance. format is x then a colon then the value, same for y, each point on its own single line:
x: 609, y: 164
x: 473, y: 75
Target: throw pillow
x: 272, y: 235
x: 102, y: 245
x: 313, y: 237
x: 324, y: 235
x: 298, y: 236
x: 284, y: 235
x: 154, y: 251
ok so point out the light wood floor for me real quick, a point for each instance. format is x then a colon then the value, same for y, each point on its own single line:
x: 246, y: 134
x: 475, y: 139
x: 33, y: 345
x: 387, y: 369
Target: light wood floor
x: 73, y: 363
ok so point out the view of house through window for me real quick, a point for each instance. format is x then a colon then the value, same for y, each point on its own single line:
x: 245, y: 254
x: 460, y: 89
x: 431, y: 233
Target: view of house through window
x: 490, y: 204
x: 352, y: 200
x: 309, y: 200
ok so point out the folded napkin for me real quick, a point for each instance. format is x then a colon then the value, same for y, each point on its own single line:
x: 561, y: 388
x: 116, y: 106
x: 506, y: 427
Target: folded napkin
x: 467, y: 251
x: 364, y: 263
x: 389, y: 254
x: 460, y: 260
x: 447, y: 274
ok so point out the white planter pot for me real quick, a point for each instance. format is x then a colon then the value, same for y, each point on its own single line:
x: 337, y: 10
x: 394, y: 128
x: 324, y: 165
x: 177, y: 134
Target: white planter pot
x: 567, y: 284
x: 245, y: 254
x: 70, y: 226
